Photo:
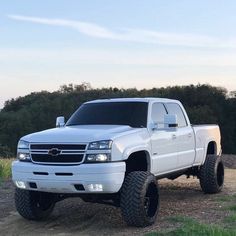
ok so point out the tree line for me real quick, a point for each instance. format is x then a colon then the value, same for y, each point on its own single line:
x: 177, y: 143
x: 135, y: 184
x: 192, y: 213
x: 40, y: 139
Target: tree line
x: 37, y: 111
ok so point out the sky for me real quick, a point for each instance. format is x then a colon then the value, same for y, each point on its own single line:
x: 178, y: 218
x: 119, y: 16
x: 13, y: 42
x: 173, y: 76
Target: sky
x: 125, y: 43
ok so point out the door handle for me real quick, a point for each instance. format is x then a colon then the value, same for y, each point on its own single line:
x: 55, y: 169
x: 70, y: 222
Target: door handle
x: 189, y: 135
x: 174, y: 136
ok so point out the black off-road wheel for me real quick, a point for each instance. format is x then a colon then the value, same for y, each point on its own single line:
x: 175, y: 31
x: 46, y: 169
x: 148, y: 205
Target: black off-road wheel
x: 34, y: 205
x: 139, y: 199
x: 211, y: 174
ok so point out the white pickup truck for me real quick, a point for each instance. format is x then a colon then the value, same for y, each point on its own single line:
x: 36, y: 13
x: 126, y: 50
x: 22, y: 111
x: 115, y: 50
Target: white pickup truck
x: 113, y: 151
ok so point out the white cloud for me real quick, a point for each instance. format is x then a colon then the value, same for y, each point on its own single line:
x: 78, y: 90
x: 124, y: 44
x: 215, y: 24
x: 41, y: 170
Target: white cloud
x: 147, y: 57
x: 89, y: 29
x: 132, y: 35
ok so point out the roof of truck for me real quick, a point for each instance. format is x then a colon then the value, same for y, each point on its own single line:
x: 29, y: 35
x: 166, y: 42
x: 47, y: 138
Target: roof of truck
x: 146, y: 99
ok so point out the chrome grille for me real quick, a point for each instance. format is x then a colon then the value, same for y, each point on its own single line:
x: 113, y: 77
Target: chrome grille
x: 59, y: 146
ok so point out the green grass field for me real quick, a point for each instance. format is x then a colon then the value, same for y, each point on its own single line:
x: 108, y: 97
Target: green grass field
x: 5, y: 168
x: 190, y: 227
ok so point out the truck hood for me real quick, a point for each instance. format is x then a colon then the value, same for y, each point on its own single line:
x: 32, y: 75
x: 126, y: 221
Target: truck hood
x: 79, y: 134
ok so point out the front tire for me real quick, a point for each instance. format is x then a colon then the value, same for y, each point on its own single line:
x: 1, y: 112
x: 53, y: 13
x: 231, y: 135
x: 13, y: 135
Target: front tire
x: 211, y: 174
x: 34, y: 205
x: 139, y: 199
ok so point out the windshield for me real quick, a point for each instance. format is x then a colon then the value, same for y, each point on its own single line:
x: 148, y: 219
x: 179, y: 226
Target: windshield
x: 133, y: 114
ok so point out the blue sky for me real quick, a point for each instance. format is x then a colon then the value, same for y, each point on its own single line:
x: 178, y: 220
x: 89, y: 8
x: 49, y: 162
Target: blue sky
x: 125, y: 43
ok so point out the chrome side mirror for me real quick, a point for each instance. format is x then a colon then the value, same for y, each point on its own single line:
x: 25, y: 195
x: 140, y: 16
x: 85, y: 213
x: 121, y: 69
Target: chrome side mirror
x: 153, y: 126
x: 60, y: 122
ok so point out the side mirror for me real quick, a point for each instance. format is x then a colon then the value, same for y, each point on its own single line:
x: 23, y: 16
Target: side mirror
x: 170, y: 121
x: 153, y: 126
x: 60, y: 122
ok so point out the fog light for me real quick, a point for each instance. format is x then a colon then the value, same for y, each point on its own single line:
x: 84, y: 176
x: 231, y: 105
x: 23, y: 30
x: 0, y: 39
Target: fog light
x: 20, y: 184
x: 95, y: 187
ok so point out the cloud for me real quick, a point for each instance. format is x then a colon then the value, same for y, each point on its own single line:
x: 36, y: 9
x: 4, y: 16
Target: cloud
x: 74, y: 57
x: 132, y: 35
x: 83, y: 27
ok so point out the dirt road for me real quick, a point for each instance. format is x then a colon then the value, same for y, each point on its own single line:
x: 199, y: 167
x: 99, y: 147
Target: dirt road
x: 75, y: 217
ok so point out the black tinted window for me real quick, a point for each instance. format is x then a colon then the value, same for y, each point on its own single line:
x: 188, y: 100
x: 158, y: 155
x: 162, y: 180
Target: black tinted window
x: 175, y: 109
x: 133, y: 114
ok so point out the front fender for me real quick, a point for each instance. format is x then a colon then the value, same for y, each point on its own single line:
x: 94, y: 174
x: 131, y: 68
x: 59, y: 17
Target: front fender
x: 129, y: 150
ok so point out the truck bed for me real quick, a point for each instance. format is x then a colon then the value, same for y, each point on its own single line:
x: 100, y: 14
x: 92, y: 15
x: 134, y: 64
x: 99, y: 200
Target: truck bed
x: 205, y: 134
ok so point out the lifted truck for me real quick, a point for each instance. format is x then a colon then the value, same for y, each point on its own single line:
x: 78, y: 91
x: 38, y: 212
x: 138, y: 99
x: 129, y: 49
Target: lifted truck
x: 113, y: 151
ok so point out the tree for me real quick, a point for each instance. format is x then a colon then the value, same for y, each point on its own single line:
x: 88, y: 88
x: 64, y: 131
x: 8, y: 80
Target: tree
x: 38, y: 111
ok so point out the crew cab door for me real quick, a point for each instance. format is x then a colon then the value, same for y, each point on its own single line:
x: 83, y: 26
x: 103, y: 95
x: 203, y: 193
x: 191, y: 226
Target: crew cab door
x: 184, y: 136
x: 163, y: 142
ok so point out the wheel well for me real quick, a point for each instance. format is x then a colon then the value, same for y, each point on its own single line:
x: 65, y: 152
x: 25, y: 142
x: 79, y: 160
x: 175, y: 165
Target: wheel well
x: 137, y: 161
x: 211, y: 149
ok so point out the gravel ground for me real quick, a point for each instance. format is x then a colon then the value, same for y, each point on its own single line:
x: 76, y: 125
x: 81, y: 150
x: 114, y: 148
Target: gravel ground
x: 75, y: 217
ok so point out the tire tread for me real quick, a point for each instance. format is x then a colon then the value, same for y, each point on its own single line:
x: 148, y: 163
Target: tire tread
x: 207, y: 174
x: 25, y: 205
x: 131, y: 194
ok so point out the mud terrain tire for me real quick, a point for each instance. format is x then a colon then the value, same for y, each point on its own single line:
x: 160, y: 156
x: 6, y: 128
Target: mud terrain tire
x: 33, y: 205
x: 211, y: 174
x: 139, y: 199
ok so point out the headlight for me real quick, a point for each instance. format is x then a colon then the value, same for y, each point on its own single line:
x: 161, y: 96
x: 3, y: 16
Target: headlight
x: 100, y: 157
x: 23, y: 156
x: 23, y: 151
x: 23, y: 145
x: 100, y: 145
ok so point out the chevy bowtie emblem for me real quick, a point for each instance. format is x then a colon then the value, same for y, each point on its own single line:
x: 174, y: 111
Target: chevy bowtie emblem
x: 54, y: 152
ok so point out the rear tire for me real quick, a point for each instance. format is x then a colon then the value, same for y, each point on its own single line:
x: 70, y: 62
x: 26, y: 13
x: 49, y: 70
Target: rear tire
x: 211, y: 174
x: 34, y: 205
x: 140, y: 199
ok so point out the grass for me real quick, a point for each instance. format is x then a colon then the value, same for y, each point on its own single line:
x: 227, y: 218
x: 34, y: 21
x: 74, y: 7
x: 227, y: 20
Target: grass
x: 226, y: 198
x: 190, y: 227
x: 5, y: 168
x: 231, y: 219
x: 184, y: 226
x: 232, y: 208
